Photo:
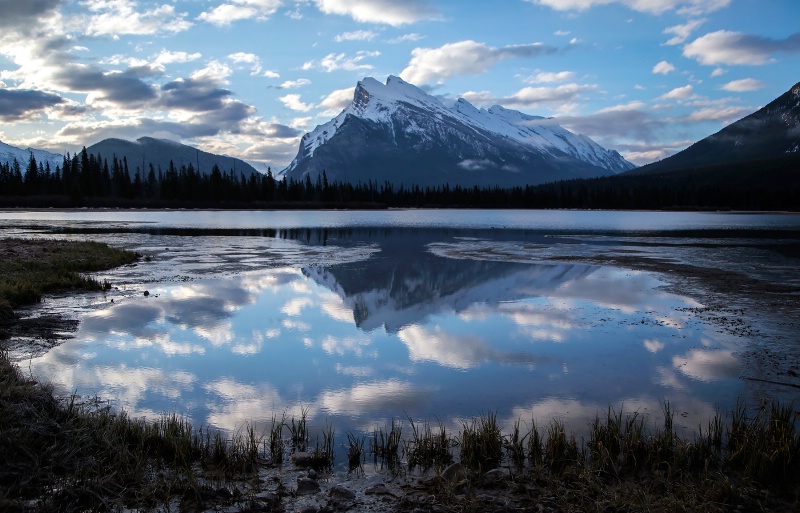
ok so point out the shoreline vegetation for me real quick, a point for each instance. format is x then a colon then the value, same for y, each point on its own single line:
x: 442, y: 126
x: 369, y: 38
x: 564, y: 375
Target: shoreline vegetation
x: 88, y: 180
x: 79, y: 454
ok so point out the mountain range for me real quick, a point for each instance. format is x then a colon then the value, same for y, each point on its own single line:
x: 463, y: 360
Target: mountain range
x: 8, y: 154
x: 397, y: 133
x: 140, y: 153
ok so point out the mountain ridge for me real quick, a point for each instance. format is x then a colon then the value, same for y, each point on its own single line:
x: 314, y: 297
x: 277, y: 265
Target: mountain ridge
x: 772, y: 132
x: 396, y: 132
x: 159, y: 152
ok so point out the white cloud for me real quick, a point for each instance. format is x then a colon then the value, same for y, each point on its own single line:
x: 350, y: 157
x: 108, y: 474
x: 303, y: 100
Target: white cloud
x: 653, y: 345
x: 634, y: 105
x: 272, y: 74
x: 406, y: 37
x: 295, y: 84
x: 527, y: 97
x: 237, y: 10
x: 561, y: 33
x: 682, y: 32
x: 464, y: 58
x: 743, y: 85
x: 292, y: 101
x: 389, y: 12
x: 120, y: 17
x: 725, y: 114
x: 337, y: 100
x: 251, y: 59
x: 735, y: 48
x: 663, y: 68
x: 299, y: 123
x: 358, y: 35
x: 707, y: 365
x: 214, y: 72
x: 679, y: 93
x: 687, y: 7
x: 335, y: 62
x: 533, y: 96
x: 456, y: 351
x: 718, y: 72
x: 167, y: 57
x: 549, y: 78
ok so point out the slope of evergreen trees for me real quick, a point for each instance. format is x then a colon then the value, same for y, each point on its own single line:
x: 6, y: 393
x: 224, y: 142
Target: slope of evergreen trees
x: 91, y: 180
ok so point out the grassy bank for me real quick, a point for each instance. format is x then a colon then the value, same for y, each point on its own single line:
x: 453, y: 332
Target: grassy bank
x: 30, y: 268
x: 67, y: 455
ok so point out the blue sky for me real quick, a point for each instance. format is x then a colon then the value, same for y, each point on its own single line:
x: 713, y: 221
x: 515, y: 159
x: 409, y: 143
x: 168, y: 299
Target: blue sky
x: 248, y: 77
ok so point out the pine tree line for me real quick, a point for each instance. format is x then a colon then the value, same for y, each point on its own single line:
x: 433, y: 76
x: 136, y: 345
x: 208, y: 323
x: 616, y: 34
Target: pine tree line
x: 85, y: 179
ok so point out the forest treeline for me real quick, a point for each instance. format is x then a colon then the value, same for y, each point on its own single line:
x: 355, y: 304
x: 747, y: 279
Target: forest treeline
x: 90, y: 180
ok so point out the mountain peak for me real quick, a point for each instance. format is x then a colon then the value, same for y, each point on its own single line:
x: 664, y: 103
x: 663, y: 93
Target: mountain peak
x: 397, y: 124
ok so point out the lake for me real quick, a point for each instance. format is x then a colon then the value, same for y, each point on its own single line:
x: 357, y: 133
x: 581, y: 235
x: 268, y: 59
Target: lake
x: 363, y: 318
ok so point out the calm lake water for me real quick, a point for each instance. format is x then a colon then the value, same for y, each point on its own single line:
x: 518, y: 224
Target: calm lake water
x: 360, y: 318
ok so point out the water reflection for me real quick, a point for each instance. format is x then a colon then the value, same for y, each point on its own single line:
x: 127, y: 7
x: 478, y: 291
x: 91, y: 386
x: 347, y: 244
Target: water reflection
x: 403, y: 328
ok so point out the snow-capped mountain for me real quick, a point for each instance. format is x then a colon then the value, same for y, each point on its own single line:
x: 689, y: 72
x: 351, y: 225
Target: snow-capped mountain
x: 769, y: 133
x: 396, y: 132
x: 9, y: 153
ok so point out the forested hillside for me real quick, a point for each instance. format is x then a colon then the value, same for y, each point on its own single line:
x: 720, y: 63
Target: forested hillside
x: 91, y: 180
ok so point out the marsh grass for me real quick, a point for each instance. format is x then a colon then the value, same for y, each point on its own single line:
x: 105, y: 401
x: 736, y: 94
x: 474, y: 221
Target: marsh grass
x: 323, y: 455
x: 32, y: 267
x: 275, y: 442
x: 69, y: 455
x: 481, y: 443
x: 429, y: 447
x: 355, y: 450
x: 73, y: 454
x: 385, y: 446
x: 299, y: 431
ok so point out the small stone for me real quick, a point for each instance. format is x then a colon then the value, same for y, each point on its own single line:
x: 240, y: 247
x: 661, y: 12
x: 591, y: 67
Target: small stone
x: 377, y: 489
x: 312, y: 474
x: 434, y: 482
x: 461, y: 487
x: 454, y: 473
x: 224, y: 493
x: 146, y: 293
x: 302, y: 459
x: 340, y: 492
x: 306, y: 486
x: 496, y: 475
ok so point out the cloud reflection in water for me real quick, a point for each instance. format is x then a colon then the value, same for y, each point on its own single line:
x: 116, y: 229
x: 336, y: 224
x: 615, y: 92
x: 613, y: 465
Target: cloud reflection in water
x: 404, y: 330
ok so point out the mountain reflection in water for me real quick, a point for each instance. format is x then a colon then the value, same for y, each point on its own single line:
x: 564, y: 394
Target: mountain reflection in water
x: 399, y: 330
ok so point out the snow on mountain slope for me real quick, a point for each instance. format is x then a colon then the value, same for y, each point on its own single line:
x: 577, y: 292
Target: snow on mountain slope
x: 386, y: 103
x: 9, y: 153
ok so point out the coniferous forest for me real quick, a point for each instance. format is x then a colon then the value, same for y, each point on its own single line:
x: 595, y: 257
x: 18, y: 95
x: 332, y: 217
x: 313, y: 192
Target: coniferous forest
x: 87, y: 180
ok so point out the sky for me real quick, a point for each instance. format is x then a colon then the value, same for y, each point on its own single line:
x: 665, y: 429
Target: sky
x: 248, y: 78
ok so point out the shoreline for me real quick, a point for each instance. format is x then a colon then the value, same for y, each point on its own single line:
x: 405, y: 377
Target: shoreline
x: 280, y: 487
